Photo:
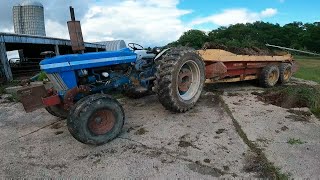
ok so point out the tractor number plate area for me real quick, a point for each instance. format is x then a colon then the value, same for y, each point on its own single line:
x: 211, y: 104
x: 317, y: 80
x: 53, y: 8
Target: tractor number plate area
x: 31, y: 97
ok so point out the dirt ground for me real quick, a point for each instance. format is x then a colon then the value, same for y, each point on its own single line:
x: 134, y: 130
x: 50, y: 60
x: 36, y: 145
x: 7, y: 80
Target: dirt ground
x: 218, y: 138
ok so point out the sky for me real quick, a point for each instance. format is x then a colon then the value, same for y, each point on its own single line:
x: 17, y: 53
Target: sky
x: 158, y: 22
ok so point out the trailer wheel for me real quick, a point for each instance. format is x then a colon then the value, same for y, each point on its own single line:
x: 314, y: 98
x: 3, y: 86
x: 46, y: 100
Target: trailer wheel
x: 179, y: 79
x: 58, y: 111
x: 96, y: 119
x: 269, y: 76
x: 285, y: 73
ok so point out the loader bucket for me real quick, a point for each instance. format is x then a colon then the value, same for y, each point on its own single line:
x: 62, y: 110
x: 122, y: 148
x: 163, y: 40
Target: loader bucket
x: 31, y: 97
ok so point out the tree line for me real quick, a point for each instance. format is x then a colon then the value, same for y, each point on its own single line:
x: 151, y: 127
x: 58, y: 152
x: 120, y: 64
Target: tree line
x: 297, y: 35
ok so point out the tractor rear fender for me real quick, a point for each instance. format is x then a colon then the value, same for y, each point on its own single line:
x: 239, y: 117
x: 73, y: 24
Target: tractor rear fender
x: 161, y: 54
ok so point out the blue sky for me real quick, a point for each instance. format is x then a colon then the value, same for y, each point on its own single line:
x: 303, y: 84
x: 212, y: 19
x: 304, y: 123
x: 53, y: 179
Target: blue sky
x: 158, y: 22
x: 287, y: 10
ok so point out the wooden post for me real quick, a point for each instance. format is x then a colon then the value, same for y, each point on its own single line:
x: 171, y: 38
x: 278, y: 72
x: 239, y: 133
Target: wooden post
x: 5, y: 62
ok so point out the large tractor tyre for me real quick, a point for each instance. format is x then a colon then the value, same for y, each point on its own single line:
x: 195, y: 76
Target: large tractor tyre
x: 96, y: 119
x: 269, y: 76
x: 179, y: 79
x: 58, y: 111
x: 285, y: 73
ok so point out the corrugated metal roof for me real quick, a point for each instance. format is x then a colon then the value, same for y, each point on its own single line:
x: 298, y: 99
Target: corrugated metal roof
x: 31, y: 39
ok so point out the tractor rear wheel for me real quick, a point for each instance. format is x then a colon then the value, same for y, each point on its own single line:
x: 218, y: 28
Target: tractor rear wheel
x: 179, y: 79
x: 96, y: 119
x: 58, y: 111
x: 269, y: 76
x: 285, y: 73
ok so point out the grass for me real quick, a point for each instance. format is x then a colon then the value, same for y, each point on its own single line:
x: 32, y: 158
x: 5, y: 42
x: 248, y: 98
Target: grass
x: 293, y: 141
x: 309, y: 68
x: 42, y: 76
x: 13, y: 98
x: 4, y: 86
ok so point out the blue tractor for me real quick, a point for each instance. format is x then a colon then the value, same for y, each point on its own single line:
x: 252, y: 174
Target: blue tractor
x: 82, y: 82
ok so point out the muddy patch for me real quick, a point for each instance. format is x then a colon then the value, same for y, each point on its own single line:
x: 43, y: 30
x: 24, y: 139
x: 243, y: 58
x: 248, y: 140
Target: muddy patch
x: 207, y: 161
x: 185, y: 144
x: 281, y: 99
x: 57, y: 126
x: 294, y: 97
x: 141, y: 131
x: 58, y: 132
x: 300, y: 116
x: 254, y: 163
x: 220, y: 131
x: 233, y: 94
x: 205, y: 170
x: 187, y: 141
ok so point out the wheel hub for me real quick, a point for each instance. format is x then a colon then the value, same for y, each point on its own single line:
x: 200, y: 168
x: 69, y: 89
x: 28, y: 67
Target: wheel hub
x: 185, y: 80
x: 287, y: 74
x: 188, y: 80
x: 273, y: 77
x: 101, y: 122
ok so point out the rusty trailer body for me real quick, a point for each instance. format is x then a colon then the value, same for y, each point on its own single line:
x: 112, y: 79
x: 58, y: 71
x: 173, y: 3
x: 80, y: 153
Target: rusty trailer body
x: 224, y: 66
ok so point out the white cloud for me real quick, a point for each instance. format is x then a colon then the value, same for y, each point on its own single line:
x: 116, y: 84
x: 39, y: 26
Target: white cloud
x: 149, y: 22
x: 7, y: 30
x: 269, y: 12
x: 55, y: 29
x: 234, y: 16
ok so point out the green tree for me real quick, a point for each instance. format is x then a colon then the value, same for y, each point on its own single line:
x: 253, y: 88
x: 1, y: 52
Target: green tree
x: 294, y: 35
x: 193, y: 38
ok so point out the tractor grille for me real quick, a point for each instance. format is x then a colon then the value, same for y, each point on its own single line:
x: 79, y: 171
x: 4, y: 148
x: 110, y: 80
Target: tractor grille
x: 57, y: 81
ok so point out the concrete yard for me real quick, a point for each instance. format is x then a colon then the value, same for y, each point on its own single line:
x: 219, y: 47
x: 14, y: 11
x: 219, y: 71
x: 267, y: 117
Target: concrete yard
x: 203, y: 143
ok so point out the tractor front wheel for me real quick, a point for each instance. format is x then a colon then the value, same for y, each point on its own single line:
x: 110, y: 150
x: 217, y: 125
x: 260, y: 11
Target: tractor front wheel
x: 180, y: 79
x: 96, y: 119
x: 58, y: 111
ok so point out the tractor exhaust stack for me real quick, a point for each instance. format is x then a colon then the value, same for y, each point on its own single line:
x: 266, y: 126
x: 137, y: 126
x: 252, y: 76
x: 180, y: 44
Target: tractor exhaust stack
x: 75, y: 33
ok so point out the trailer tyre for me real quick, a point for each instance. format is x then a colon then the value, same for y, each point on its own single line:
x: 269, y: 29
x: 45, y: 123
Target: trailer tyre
x: 179, y: 79
x: 269, y: 76
x: 96, y: 119
x: 58, y: 111
x: 285, y: 73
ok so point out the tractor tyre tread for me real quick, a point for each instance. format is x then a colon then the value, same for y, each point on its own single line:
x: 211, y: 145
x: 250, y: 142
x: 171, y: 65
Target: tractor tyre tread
x: 167, y: 66
x: 58, y: 112
x: 264, y: 79
x: 283, y: 67
x: 81, y: 112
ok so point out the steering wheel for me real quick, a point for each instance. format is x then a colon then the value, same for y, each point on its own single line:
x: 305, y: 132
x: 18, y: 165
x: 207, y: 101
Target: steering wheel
x: 135, y: 46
